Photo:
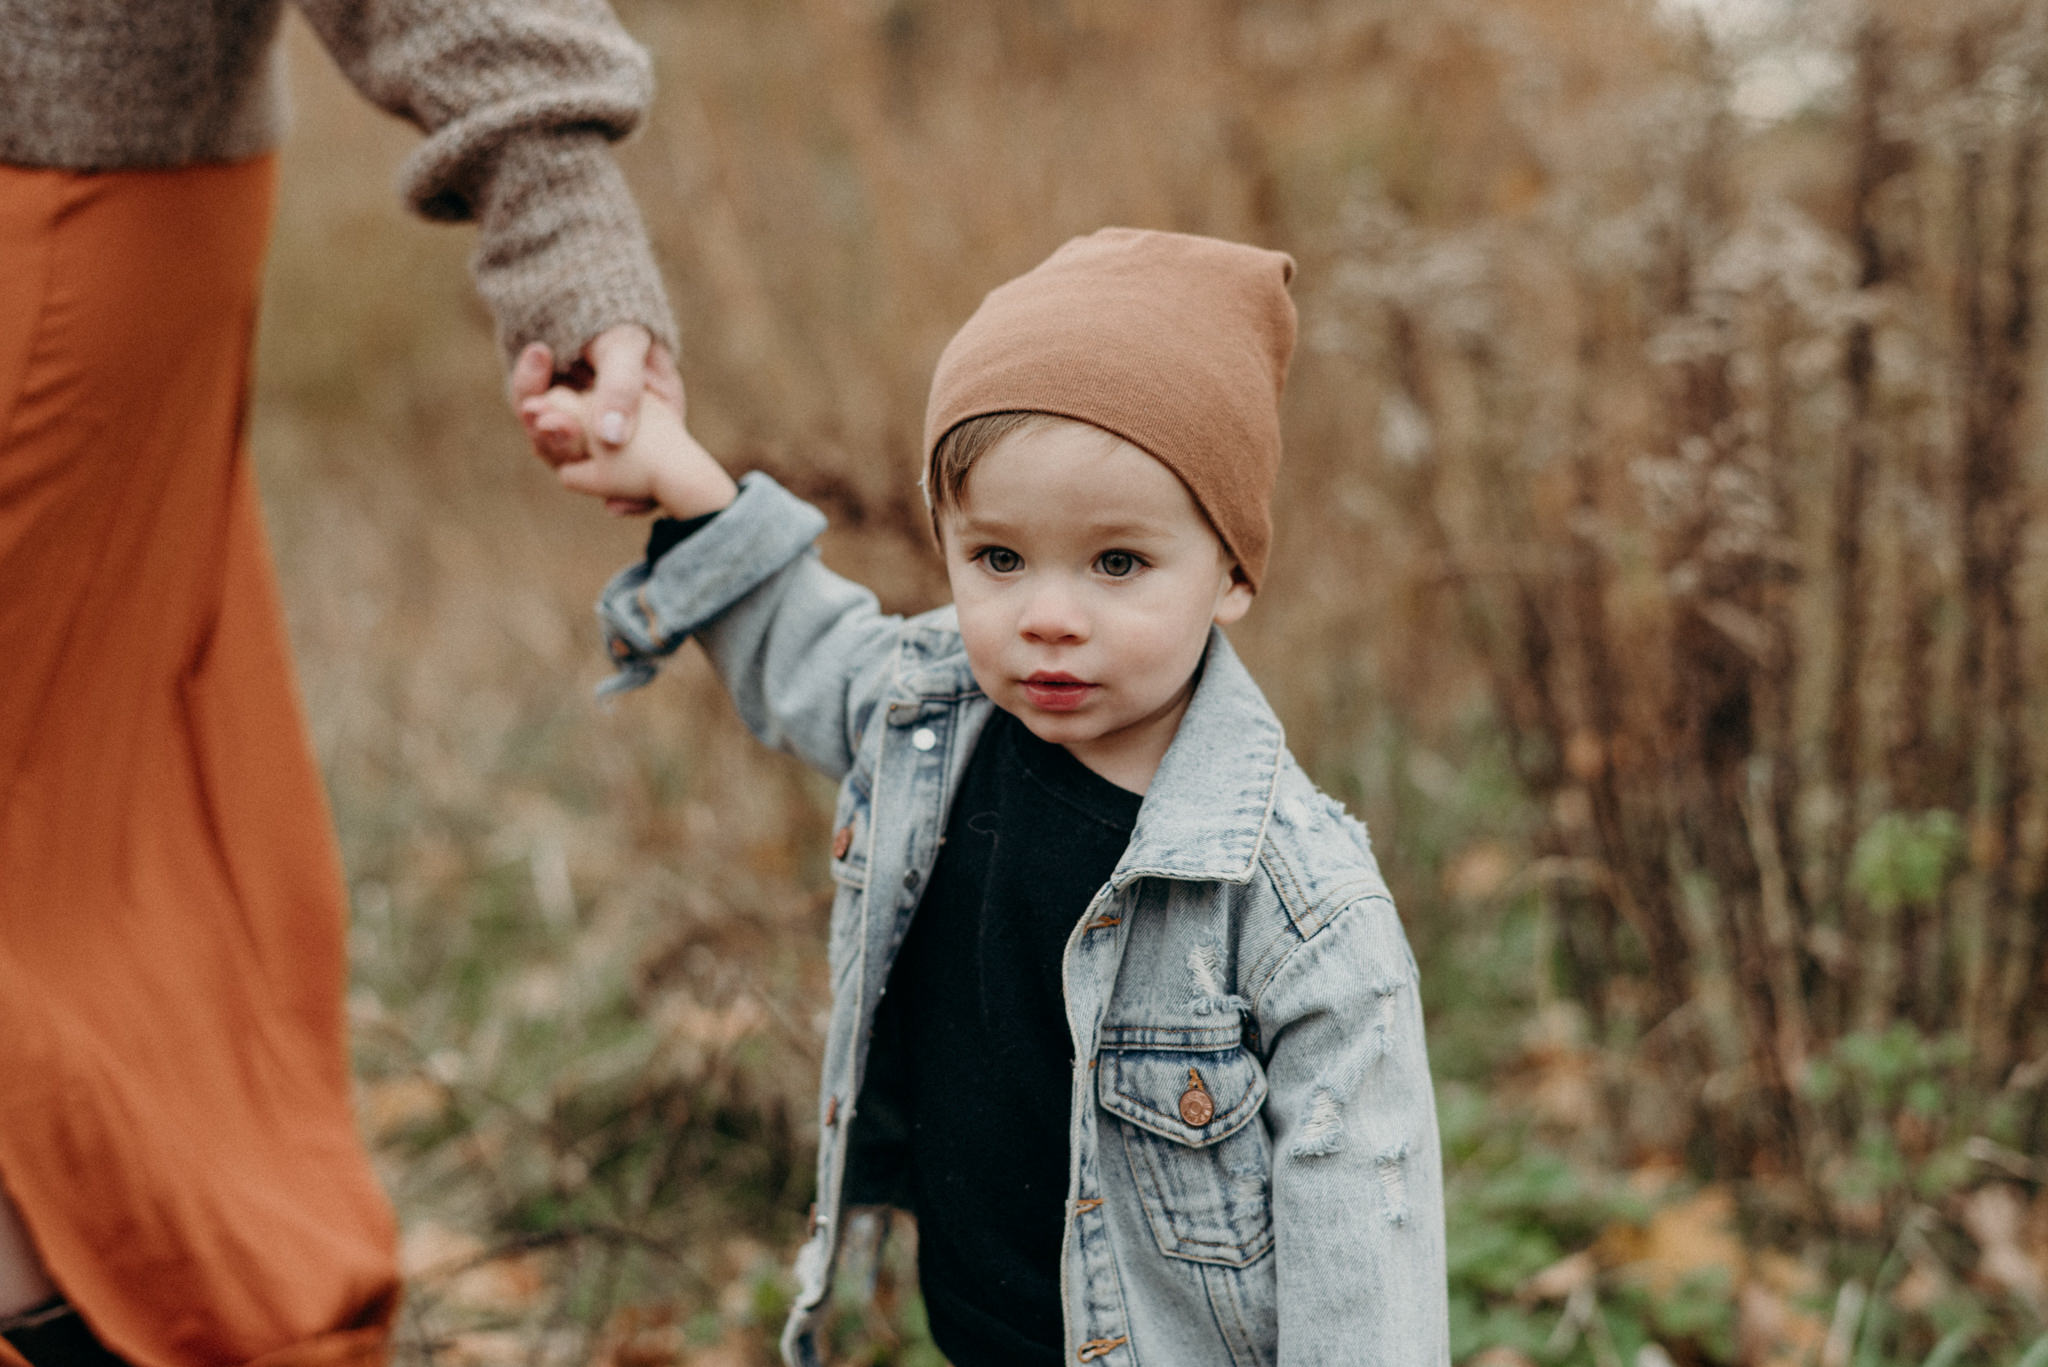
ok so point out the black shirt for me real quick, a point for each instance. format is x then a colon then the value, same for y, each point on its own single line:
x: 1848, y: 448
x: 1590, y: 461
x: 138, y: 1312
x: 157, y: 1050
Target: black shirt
x: 977, y: 1013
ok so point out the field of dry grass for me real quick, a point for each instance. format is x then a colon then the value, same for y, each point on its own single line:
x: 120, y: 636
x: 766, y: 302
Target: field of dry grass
x: 1658, y: 574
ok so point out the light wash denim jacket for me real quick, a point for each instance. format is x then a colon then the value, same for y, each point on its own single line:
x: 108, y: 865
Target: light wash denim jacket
x: 1246, y: 939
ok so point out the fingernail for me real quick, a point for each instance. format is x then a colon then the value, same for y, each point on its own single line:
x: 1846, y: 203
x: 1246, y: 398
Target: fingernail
x: 612, y: 428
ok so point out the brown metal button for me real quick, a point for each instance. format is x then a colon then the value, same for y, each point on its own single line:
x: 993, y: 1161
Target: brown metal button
x: 1197, y: 1107
x: 842, y: 841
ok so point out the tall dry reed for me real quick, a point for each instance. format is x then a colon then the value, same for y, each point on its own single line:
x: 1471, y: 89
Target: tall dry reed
x: 1724, y: 456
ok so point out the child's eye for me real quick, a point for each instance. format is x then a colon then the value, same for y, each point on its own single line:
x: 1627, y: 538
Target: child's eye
x: 1000, y: 559
x: 1118, y: 564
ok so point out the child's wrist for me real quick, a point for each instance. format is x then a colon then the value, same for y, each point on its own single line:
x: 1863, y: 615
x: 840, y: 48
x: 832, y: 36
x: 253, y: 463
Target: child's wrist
x: 696, y: 494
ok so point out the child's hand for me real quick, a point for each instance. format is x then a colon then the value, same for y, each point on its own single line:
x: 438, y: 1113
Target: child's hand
x: 660, y: 464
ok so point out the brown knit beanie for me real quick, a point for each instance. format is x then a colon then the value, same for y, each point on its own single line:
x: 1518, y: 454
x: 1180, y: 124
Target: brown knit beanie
x: 1177, y: 344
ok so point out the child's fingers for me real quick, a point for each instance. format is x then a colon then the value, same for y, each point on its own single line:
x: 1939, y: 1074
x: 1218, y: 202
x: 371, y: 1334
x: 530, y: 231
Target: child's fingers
x: 588, y: 477
x: 554, y: 425
x: 598, y: 476
x: 558, y: 442
x: 556, y: 439
x: 580, y: 477
x: 558, y: 399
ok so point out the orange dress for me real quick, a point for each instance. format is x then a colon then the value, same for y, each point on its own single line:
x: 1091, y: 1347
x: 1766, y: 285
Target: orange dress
x: 175, y: 1122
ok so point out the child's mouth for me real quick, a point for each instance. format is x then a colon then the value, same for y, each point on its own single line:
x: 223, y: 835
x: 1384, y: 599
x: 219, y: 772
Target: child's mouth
x: 1056, y: 692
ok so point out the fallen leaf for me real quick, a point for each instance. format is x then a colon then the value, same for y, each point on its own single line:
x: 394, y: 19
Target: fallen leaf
x: 1771, y: 1332
x: 1995, y: 1216
x: 1500, y: 1357
x: 1479, y: 872
x: 504, y: 1284
x: 457, y: 1262
x: 656, y: 1348
x: 1558, y: 1281
x: 729, y: 1354
x: 430, y: 1250
x: 401, y: 1103
x: 1681, y: 1241
x: 485, y: 1348
x: 1923, y: 1285
x: 1783, y: 1274
x: 1558, y: 1076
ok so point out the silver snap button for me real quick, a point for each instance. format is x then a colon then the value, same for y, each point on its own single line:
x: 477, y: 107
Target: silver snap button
x: 924, y: 738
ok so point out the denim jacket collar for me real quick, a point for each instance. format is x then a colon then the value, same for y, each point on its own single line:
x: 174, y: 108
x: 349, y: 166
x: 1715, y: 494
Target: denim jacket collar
x: 1205, y: 813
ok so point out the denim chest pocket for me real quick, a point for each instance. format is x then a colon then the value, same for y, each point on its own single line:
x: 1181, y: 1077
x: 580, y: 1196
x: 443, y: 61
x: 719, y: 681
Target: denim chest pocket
x: 1199, y: 1156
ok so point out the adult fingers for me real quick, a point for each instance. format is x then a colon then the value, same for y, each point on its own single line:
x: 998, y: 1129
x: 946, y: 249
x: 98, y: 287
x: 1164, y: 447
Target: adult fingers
x: 619, y: 356
x: 531, y: 373
x: 664, y: 381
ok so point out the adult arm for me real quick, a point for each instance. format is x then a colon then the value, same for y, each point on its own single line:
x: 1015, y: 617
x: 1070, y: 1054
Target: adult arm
x: 520, y: 101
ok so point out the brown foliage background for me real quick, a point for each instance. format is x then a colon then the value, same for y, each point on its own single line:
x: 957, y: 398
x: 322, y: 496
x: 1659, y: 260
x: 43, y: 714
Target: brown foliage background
x: 1659, y: 571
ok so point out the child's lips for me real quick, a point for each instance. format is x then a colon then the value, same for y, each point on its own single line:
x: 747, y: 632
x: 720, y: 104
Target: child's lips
x: 1053, y: 692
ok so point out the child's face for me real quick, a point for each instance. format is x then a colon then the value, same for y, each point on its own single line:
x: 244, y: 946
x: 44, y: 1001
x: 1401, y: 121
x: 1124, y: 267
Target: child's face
x: 1086, y: 578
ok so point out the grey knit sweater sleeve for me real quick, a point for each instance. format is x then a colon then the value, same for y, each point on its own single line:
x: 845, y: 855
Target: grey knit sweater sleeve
x: 519, y: 101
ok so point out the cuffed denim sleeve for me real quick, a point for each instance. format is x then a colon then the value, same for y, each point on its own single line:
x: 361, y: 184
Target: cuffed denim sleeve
x: 650, y: 608
x: 805, y: 653
x: 1357, y: 1165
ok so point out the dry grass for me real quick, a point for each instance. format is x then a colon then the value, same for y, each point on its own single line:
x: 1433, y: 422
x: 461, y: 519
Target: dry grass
x: 1657, y: 562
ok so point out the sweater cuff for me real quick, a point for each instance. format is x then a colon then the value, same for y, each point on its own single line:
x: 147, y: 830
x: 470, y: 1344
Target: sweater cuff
x: 561, y: 251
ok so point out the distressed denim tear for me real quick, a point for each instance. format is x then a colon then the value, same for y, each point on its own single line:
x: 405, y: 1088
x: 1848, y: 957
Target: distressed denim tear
x: 1386, y: 1014
x: 1391, y: 1168
x: 1322, y: 1133
x: 1322, y: 1128
x: 1209, y: 992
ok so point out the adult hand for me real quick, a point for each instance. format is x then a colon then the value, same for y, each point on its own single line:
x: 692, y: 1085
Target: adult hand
x: 617, y: 366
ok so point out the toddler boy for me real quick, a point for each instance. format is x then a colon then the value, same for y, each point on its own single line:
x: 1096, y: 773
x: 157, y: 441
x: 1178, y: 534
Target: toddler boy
x: 1122, y: 1011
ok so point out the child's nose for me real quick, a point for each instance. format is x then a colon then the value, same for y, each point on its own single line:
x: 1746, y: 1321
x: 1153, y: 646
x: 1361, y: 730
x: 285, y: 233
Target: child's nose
x: 1053, y: 612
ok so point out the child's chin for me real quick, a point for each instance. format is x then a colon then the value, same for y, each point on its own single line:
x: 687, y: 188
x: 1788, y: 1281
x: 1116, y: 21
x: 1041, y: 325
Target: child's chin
x: 1054, y: 728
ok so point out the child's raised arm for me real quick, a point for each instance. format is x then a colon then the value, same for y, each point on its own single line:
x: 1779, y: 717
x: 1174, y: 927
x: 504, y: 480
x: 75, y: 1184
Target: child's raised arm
x: 662, y: 462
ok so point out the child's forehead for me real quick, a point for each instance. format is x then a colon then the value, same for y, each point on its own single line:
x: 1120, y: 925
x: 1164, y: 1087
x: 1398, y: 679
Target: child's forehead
x: 1061, y: 455
x: 1089, y: 485
x: 1051, y: 430
x: 1069, y: 461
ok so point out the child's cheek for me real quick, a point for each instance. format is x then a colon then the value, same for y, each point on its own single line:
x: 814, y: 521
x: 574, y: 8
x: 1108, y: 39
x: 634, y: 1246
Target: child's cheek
x: 984, y: 640
x: 982, y: 660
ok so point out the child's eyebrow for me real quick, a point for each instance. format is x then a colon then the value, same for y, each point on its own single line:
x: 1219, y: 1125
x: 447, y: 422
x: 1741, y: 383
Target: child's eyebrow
x: 1106, y: 530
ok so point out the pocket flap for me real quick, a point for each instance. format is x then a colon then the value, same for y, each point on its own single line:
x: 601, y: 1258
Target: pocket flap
x: 1167, y: 1091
